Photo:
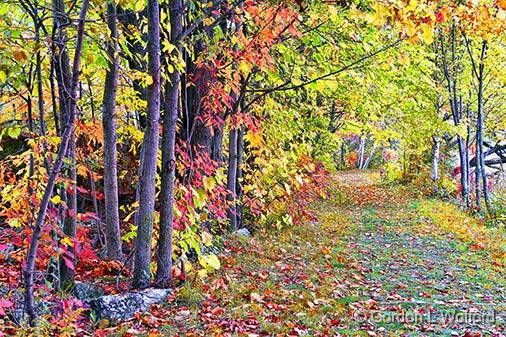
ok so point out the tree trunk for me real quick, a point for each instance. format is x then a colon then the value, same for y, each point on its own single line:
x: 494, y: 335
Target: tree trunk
x: 112, y: 229
x: 371, y: 154
x: 147, y: 180
x: 464, y: 170
x: 64, y: 80
x: 239, y: 189
x: 480, y: 125
x: 232, y: 177
x: 361, y: 152
x: 70, y: 224
x: 434, y: 168
x: 456, y: 107
x: 171, y: 113
x: 62, y: 150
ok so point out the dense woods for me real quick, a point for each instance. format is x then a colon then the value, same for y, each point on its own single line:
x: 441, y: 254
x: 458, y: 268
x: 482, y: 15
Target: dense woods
x: 137, y: 137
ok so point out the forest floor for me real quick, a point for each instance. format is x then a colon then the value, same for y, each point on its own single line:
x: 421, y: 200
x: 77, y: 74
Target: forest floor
x: 381, y: 261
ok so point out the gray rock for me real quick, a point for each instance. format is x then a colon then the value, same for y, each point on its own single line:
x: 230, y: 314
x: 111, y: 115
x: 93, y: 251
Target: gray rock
x: 243, y: 232
x: 87, y: 291
x: 123, y: 306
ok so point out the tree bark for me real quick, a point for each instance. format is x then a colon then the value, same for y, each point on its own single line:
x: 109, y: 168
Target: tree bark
x: 456, y: 108
x: 434, y: 168
x: 64, y: 80
x: 171, y: 113
x: 361, y: 152
x: 147, y: 179
x: 232, y: 177
x: 67, y: 271
x: 112, y: 229
x: 480, y: 125
x: 369, y: 158
x: 239, y: 189
x: 62, y: 150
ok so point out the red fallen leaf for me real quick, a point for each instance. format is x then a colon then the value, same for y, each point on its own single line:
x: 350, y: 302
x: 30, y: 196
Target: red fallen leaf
x: 4, y: 303
x: 335, y: 322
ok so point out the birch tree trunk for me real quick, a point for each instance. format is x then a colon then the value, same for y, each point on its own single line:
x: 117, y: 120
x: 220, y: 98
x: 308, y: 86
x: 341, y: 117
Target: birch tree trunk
x: 369, y: 158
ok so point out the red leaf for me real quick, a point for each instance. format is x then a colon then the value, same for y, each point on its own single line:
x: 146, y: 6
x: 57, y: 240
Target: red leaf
x: 439, y: 17
x: 4, y: 303
x: 69, y: 263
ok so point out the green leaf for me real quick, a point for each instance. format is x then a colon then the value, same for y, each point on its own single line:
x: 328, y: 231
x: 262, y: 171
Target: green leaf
x: 14, y: 132
x: 213, y: 261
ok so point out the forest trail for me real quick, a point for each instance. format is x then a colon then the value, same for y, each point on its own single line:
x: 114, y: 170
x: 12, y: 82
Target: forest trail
x: 372, y: 262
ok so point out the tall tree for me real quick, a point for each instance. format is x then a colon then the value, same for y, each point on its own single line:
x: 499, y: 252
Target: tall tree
x: 147, y: 178
x: 171, y: 112
x: 112, y: 231
x: 62, y: 151
x: 478, y: 69
x: 64, y: 78
x: 451, y: 69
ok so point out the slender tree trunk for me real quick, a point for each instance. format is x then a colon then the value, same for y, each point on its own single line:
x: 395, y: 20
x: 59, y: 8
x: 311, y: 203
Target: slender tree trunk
x: 38, y: 70
x: 343, y: 164
x: 67, y: 271
x: 479, y: 129
x: 456, y: 108
x: 171, y: 113
x: 63, y: 78
x: 62, y: 150
x: 142, y: 267
x: 232, y: 176
x: 477, y: 172
x: 434, y: 168
x: 464, y: 172
x: 56, y: 117
x: 368, y: 160
x: 361, y: 152
x: 112, y: 227
x: 240, y: 158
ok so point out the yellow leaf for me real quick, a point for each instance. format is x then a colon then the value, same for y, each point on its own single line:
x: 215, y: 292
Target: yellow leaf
x: 168, y: 47
x: 209, y: 183
x: 202, y: 273
x: 14, y: 223
x: 427, y: 34
x: 149, y: 80
x: 67, y: 242
x: 413, y: 4
x: 139, y: 5
x: 56, y: 199
x: 410, y: 28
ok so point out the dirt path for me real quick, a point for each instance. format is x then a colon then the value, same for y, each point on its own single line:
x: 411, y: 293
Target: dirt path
x: 417, y: 282
x: 373, y: 265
